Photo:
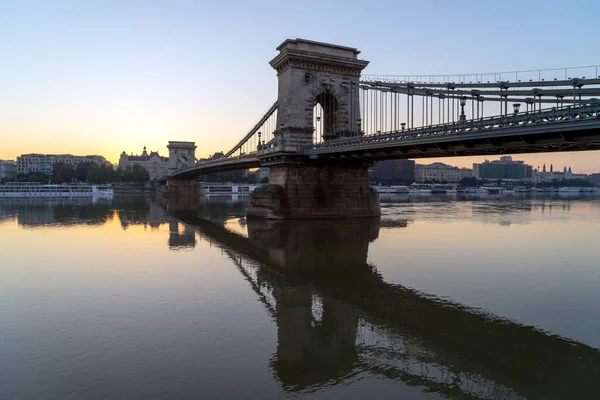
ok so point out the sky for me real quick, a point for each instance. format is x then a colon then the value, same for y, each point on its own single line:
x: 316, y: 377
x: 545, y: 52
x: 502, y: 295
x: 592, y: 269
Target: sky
x: 101, y: 77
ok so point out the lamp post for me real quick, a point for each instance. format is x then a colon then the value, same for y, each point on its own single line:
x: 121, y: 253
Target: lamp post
x: 481, y: 99
x: 463, y: 102
x: 516, y: 107
x: 403, y: 125
x: 318, y: 124
x: 358, y: 124
x: 258, y: 147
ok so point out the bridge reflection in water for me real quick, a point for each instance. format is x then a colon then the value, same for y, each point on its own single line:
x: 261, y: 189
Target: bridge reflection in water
x: 337, y: 318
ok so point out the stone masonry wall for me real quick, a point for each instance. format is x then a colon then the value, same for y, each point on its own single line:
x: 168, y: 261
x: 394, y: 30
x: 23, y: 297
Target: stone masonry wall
x: 315, y: 191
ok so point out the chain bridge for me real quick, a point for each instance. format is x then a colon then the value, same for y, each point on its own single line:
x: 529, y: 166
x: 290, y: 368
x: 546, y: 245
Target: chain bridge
x: 330, y: 122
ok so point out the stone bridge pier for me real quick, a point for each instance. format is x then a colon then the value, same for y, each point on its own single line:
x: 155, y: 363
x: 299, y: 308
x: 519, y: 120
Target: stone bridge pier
x: 179, y: 194
x: 313, y: 75
x: 314, y: 190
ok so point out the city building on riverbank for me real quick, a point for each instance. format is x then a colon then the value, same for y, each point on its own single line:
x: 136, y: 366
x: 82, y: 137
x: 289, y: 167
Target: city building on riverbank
x: 504, y: 168
x: 181, y: 155
x: 551, y: 175
x: 8, y: 169
x: 154, y: 163
x: 466, y: 173
x: 437, y: 172
x: 34, y: 162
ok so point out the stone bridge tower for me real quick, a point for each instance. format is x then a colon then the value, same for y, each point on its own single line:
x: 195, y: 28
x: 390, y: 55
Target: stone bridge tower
x: 183, y: 193
x: 311, y: 73
x: 181, y: 155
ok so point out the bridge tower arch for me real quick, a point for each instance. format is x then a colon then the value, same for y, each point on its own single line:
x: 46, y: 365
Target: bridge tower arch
x: 311, y: 73
x: 326, y: 119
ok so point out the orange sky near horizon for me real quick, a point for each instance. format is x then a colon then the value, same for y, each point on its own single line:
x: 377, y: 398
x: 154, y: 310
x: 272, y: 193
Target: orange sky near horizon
x: 77, y: 132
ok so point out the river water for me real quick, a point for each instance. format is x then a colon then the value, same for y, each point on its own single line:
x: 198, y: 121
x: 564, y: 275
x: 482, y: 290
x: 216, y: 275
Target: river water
x: 442, y: 297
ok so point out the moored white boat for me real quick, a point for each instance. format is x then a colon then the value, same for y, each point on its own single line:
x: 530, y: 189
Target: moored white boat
x: 569, y: 190
x: 442, y: 189
x: 391, y: 189
x: 35, y: 189
x: 228, y: 189
x: 493, y: 189
x: 419, y: 189
x: 384, y: 189
x: 102, y: 191
x: 475, y: 190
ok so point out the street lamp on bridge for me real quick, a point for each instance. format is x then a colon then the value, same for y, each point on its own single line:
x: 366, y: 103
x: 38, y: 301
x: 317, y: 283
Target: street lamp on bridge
x: 463, y: 102
x: 516, y: 107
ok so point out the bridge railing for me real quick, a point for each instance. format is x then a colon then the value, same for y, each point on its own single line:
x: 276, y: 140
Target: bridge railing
x: 555, y: 115
x: 387, y: 107
x: 589, y: 71
x: 504, y: 91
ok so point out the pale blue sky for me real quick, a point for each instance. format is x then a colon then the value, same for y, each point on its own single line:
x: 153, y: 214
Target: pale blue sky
x: 106, y: 76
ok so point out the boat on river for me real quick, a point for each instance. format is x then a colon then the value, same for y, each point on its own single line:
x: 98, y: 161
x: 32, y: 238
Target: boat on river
x: 442, y: 189
x: 391, y: 189
x: 493, y: 189
x: 569, y: 190
x: 227, y: 189
x: 475, y: 190
x: 419, y: 189
x: 36, y: 189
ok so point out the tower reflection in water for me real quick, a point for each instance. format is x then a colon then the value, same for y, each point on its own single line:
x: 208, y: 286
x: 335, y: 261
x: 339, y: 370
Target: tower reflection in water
x: 337, y: 319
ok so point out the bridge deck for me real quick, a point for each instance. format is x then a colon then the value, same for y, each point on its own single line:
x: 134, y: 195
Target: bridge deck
x: 564, y: 129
